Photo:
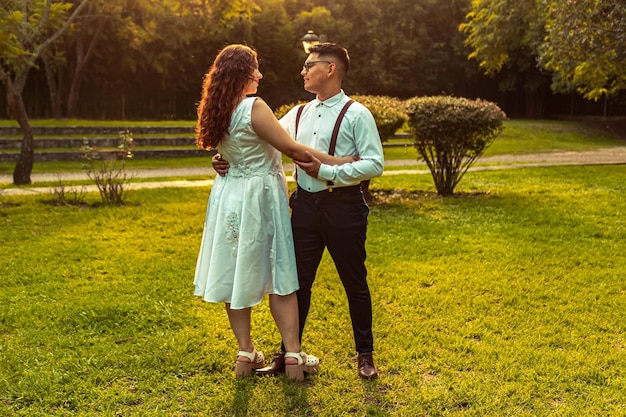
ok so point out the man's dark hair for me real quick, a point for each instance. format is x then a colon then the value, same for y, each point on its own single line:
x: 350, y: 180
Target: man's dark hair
x: 334, y: 50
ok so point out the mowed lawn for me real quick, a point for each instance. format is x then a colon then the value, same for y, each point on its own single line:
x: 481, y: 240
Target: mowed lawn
x: 507, y: 299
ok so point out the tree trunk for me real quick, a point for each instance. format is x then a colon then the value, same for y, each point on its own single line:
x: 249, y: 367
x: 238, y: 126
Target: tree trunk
x: 535, y: 101
x: 72, y: 98
x: 24, y: 166
x: 82, y: 59
x: 74, y: 94
x: 55, y: 98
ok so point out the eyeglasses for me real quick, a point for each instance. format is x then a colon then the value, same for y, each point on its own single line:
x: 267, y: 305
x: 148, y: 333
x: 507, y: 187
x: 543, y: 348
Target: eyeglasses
x: 307, y: 65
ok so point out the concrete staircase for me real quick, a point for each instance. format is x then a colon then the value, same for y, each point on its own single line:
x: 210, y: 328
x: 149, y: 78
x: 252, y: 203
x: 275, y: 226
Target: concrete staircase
x: 64, y: 143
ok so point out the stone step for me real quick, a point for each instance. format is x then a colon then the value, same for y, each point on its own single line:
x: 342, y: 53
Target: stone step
x: 180, y: 145
x: 96, y: 130
x: 76, y: 155
x: 112, y: 142
x: 44, y: 156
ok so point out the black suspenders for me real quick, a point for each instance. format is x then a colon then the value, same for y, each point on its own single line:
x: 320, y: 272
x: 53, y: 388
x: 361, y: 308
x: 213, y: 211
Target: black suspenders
x: 333, y: 138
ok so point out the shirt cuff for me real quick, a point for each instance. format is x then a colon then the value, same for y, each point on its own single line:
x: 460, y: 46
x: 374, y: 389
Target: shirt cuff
x: 325, y: 173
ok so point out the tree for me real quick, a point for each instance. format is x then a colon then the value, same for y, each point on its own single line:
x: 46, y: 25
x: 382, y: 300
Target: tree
x: 584, y: 47
x: 138, y: 58
x: 451, y: 133
x: 504, y: 36
x: 397, y: 48
x: 86, y: 37
x: 579, y: 42
x: 67, y: 60
x: 31, y: 26
x: 280, y: 53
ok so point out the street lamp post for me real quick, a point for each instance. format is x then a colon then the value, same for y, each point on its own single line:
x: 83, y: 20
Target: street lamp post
x: 309, y: 40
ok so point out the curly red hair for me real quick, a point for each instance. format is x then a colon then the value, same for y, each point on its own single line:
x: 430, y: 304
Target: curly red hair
x: 222, y: 90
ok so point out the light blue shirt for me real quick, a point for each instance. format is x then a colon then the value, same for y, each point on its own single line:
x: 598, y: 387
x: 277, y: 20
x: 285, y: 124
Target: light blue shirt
x: 358, y: 136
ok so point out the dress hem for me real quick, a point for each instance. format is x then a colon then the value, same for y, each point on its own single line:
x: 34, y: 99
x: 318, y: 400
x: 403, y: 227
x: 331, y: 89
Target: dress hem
x: 238, y: 307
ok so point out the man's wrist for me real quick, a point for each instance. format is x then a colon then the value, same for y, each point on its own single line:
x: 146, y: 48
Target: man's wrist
x: 325, y: 172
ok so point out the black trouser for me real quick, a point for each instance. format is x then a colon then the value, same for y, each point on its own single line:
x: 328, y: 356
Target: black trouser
x: 335, y: 220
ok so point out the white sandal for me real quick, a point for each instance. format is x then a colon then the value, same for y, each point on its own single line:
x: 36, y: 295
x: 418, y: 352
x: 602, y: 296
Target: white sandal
x: 257, y: 360
x: 306, y: 363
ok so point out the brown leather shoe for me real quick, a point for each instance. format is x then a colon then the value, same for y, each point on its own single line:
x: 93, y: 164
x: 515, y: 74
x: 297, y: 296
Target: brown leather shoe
x: 367, y: 369
x: 276, y: 367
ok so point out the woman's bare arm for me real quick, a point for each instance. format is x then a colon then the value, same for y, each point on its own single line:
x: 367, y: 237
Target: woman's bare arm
x: 265, y: 124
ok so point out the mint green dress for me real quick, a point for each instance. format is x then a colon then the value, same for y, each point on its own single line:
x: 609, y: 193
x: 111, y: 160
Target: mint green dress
x: 247, y: 245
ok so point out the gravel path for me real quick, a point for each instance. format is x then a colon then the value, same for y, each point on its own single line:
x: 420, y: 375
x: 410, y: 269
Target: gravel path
x: 604, y: 156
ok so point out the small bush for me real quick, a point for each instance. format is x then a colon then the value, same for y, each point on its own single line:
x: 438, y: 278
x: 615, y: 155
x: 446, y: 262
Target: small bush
x: 64, y: 195
x: 450, y: 133
x: 108, y: 171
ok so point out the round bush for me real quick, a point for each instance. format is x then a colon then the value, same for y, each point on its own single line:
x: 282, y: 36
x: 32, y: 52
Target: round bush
x: 450, y: 133
x: 388, y: 113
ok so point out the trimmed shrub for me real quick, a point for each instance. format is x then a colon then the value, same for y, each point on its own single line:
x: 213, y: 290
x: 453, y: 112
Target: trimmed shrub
x: 284, y: 109
x: 450, y: 133
x: 387, y: 111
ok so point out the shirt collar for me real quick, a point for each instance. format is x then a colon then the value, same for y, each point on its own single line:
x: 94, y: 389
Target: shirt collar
x: 337, y: 98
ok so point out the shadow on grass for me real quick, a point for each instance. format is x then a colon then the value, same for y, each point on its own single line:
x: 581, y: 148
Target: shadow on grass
x: 296, y: 401
x: 374, y: 395
x: 241, y: 397
x: 297, y: 396
x: 398, y: 195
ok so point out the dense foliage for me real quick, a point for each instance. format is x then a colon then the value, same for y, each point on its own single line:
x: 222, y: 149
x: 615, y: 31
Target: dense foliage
x: 146, y: 60
x: 584, y: 47
x: 450, y: 133
x: 580, y: 43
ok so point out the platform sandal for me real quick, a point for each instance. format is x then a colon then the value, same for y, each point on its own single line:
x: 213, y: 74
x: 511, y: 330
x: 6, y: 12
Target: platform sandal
x: 306, y: 363
x: 257, y: 360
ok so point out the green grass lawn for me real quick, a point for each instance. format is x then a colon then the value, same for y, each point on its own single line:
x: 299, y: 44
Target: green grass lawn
x: 504, y: 300
x: 535, y: 136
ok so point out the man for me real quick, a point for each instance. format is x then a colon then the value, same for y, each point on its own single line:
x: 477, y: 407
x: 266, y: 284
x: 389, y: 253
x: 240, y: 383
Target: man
x: 328, y: 209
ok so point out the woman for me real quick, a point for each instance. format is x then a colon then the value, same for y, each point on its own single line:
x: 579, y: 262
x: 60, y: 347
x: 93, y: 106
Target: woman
x: 247, y: 244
